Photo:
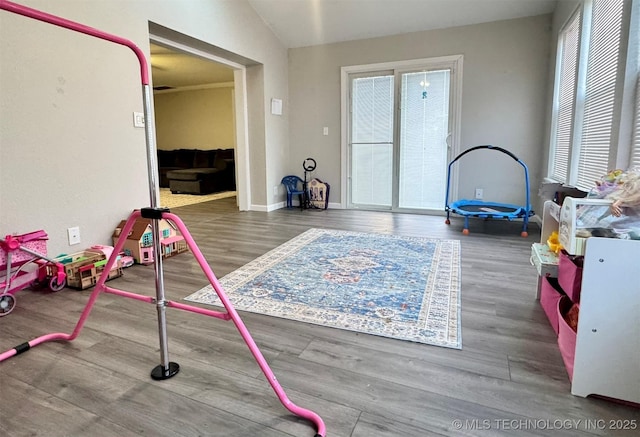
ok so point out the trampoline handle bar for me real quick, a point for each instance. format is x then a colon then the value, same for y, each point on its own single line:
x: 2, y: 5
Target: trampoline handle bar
x: 486, y: 146
x: 499, y: 149
x: 77, y: 27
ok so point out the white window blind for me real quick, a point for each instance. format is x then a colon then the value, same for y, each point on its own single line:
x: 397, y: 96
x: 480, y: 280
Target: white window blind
x: 569, y: 44
x: 602, y: 68
x: 635, y: 155
x: 372, y: 140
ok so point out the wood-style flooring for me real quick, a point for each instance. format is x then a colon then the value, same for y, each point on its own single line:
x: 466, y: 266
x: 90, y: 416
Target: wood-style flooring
x: 508, y: 379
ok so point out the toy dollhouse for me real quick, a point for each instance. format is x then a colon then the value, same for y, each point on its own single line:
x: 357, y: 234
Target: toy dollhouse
x: 139, y: 243
x: 318, y: 194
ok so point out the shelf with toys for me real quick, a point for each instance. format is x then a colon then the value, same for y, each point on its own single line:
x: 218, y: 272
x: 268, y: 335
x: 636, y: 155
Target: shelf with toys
x: 585, y: 243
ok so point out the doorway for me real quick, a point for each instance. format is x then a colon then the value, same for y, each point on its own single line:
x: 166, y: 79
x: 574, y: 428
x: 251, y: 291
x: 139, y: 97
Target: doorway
x: 236, y: 66
x: 401, y: 133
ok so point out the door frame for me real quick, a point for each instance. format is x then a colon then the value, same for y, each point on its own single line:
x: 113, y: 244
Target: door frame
x: 455, y: 113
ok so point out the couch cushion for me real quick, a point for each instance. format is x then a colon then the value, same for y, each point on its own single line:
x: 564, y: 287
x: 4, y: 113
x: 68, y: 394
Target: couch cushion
x: 165, y: 158
x: 190, y: 174
x: 183, y: 158
x: 203, y: 158
x: 225, y: 153
x: 220, y: 163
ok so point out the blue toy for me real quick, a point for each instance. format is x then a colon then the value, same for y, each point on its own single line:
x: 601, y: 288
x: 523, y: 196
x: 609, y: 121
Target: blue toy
x: 479, y: 208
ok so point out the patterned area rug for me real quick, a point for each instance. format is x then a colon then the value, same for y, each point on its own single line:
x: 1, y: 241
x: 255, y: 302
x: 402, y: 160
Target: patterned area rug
x: 399, y: 287
x: 170, y: 200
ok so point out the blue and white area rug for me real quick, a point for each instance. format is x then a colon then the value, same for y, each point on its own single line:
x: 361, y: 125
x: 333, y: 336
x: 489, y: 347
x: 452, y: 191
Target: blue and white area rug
x: 406, y: 288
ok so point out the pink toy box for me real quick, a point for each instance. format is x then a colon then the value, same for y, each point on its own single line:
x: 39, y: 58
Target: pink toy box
x: 566, y: 335
x: 570, y: 274
x: 550, y: 295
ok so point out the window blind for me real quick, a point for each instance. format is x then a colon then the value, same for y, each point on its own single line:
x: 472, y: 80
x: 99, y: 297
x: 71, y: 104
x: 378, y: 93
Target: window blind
x: 565, y: 101
x: 602, y: 67
x: 635, y: 154
x: 372, y: 140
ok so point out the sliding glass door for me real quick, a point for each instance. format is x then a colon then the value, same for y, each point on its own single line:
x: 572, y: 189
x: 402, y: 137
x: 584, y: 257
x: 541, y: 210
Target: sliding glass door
x: 399, y: 129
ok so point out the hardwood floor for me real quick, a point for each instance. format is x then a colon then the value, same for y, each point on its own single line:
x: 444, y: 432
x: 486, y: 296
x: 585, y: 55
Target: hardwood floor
x: 508, y: 379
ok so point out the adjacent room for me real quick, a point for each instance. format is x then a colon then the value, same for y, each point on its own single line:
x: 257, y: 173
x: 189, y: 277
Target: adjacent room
x: 455, y: 254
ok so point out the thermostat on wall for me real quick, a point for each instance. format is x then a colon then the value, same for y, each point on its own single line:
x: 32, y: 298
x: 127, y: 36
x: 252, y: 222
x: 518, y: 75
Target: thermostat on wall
x: 276, y: 106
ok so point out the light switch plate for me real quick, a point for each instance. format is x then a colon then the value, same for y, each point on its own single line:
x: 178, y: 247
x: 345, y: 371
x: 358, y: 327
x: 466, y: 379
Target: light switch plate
x: 138, y: 119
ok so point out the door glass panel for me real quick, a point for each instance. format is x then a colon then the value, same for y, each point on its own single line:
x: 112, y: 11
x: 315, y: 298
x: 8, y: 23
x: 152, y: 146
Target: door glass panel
x: 372, y: 141
x: 424, y: 127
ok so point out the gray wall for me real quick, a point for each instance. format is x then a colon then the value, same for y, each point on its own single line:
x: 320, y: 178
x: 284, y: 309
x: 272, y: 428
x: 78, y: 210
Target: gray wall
x: 69, y: 154
x: 504, y: 98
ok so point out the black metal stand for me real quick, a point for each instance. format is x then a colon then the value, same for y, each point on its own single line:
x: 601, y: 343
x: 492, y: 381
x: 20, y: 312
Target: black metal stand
x: 308, y: 165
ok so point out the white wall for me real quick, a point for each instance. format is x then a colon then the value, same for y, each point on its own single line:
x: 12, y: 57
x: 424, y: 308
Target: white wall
x: 195, y: 119
x: 505, y: 83
x: 69, y: 154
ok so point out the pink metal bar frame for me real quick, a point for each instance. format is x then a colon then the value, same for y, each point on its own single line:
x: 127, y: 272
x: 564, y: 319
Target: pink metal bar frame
x: 166, y: 369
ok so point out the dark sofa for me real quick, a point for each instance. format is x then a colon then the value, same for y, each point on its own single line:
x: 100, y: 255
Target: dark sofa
x: 193, y: 171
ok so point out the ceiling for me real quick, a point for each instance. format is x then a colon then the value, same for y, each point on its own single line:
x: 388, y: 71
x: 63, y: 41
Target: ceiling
x: 301, y: 23
x: 175, y: 69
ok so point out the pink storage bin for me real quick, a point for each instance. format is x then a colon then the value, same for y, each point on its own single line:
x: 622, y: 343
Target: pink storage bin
x: 550, y: 295
x: 566, y: 336
x: 570, y: 275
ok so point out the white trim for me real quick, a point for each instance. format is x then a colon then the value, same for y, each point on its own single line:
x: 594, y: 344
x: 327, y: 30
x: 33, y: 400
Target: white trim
x: 344, y: 132
x: 455, y: 62
x: 157, y: 39
x: 295, y: 205
x: 556, y: 91
x: 205, y: 86
x: 630, y: 107
x: 243, y: 175
x: 581, y: 85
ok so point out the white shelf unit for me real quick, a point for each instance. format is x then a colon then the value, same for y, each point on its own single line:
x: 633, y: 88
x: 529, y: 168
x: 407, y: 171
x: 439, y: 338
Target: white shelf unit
x: 607, y: 359
x: 607, y: 355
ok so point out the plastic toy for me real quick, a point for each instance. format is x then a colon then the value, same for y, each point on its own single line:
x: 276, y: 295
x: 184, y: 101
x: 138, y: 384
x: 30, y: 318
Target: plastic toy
x: 554, y: 242
x: 139, y: 243
x: 627, y: 194
x: 23, y: 264
x: 84, y: 268
x: 482, y: 209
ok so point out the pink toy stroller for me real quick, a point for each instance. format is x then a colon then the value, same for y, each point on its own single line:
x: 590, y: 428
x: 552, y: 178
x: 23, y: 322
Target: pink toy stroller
x: 24, y: 263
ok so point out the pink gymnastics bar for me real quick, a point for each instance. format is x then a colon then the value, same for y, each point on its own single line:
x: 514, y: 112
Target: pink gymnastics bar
x: 166, y: 369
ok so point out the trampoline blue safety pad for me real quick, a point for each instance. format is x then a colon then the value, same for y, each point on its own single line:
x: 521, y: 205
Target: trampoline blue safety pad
x: 477, y: 208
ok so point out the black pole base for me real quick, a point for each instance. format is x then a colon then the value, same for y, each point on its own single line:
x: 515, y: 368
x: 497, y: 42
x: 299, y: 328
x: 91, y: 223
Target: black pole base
x: 159, y: 372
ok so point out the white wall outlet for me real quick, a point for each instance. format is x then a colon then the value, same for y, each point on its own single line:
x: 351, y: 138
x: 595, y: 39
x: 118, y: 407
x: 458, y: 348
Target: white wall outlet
x: 479, y: 193
x: 325, y: 130
x: 138, y: 119
x: 74, y: 235
x: 275, y: 190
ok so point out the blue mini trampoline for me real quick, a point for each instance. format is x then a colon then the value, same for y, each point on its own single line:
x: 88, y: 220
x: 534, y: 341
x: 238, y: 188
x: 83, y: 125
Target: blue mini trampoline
x: 482, y: 209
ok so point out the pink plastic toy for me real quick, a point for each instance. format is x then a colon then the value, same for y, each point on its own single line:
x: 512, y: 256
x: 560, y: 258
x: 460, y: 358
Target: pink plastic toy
x: 24, y: 263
